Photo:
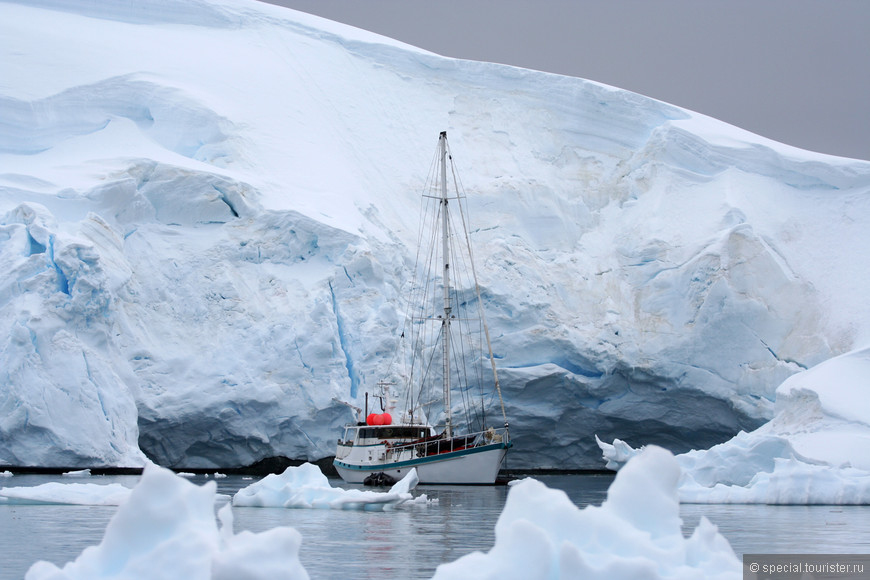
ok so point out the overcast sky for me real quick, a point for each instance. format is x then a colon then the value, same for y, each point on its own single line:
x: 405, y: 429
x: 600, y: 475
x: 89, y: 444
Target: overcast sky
x: 797, y: 71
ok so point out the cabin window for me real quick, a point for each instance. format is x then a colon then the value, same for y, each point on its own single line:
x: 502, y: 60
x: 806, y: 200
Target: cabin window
x: 393, y: 432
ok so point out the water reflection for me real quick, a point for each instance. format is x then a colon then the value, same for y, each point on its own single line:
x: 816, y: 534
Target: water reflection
x: 406, y: 543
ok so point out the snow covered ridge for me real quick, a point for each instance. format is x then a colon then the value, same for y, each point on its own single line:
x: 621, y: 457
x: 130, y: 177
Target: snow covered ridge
x: 206, y: 210
x: 815, y: 450
x: 167, y: 526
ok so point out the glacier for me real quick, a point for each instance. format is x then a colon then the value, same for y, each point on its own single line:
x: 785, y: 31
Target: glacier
x: 815, y: 450
x: 208, y: 212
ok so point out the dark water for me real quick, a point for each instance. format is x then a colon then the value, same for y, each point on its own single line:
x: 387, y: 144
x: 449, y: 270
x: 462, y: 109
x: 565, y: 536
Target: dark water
x: 410, y: 542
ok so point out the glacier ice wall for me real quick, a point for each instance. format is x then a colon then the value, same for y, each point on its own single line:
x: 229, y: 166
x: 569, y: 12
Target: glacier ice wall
x: 813, y: 451
x: 208, y: 210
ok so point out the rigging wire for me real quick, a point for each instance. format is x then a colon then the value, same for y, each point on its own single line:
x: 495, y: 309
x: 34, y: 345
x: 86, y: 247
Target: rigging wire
x: 418, y: 331
x: 456, y: 184
x: 414, y: 294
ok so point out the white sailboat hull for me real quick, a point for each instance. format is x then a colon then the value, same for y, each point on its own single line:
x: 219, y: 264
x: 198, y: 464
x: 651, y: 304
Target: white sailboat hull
x: 479, y: 465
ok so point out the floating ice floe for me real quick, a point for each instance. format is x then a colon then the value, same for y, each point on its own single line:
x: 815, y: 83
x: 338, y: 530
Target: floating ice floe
x: 77, y: 473
x: 635, y: 533
x: 816, y: 449
x: 66, y: 493
x: 167, y: 529
x: 305, y: 486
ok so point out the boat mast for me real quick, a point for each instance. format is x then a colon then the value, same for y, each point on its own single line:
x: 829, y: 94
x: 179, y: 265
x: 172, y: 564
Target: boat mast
x: 445, y: 249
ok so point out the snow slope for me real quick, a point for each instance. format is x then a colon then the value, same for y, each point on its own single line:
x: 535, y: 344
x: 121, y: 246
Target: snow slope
x: 208, y: 210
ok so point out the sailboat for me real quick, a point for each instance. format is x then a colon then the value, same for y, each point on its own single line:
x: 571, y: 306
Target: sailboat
x: 443, y: 376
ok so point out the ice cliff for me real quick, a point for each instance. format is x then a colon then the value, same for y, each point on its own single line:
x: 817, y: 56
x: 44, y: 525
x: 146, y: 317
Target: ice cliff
x: 815, y: 450
x: 208, y: 211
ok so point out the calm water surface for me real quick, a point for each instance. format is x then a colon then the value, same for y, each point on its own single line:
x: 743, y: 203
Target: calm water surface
x: 410, y: 542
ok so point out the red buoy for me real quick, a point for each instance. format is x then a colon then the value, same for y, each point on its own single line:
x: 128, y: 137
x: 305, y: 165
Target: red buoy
x: 379, y: 419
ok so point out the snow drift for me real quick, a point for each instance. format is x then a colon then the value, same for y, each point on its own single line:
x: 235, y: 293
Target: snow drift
x: 815, y: 450
x: 207, y: 215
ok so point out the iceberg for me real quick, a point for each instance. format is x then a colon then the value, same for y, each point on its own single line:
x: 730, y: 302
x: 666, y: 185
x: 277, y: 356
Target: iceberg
x: 77, y: 473
x: 200, y: 255
x: 66, y: 493
x: 790, y: 482
x: 305, y: 486
x: 635, y: 533
x: 167, y: 529
x: 815, y: 450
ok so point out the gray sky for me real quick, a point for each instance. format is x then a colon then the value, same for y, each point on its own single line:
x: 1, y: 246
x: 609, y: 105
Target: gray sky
x: 797, y: 71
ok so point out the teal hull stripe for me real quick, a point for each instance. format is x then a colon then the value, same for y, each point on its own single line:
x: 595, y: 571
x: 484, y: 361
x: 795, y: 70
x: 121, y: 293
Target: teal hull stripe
x: 421, y: 460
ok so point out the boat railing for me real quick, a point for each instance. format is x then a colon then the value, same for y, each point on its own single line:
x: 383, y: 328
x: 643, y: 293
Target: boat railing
x: 437, y: 444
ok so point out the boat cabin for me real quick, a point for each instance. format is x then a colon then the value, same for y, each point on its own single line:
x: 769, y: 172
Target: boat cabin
x: 374, y: 434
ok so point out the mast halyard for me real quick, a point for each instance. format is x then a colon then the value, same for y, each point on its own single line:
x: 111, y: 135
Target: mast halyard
x: 445, y: 249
